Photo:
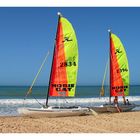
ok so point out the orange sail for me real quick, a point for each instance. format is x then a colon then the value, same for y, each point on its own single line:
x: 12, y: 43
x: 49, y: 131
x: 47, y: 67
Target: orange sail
x: 119, y: 70
x: 65, y: 61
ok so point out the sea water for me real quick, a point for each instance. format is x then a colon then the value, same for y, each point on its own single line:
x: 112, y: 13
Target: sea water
x: 12, y: 98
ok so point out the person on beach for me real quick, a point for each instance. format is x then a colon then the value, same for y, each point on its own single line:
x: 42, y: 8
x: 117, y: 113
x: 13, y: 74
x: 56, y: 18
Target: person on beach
x: 124, y: 101
x: 127, y: 102
x: 116, y: 104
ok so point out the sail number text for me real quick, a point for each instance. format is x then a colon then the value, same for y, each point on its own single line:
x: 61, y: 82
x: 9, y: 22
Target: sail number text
x: 67, y: 64
x: 122, y: 70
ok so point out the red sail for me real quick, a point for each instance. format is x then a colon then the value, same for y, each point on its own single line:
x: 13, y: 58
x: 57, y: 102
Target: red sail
x: 116, y: 81
x: 58, y: 77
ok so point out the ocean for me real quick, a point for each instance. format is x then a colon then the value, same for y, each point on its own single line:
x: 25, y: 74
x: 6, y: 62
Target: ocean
x: 12, y: 97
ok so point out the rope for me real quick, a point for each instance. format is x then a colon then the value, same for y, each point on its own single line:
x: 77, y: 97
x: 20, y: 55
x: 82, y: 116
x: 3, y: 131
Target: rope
x: 102, y: 88
x: 30, y: 89
x: 42, y: 105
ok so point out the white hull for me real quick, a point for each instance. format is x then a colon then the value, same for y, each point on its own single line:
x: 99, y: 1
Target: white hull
x: 52, y: 112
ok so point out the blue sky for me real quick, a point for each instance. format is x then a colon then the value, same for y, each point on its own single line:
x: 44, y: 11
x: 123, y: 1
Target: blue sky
x: 26, y: 34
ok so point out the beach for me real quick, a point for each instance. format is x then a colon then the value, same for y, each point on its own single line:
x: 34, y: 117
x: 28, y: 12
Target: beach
x: 126, y: 122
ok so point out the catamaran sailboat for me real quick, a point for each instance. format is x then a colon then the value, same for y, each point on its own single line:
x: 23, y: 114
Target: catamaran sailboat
x: 63, y: 76
x: 119, y: 77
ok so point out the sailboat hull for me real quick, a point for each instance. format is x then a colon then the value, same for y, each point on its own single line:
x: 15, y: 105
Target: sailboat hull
x: 111, y: 108
x: 122, y: 107
x: 53, y: 112
x: 99, y: 109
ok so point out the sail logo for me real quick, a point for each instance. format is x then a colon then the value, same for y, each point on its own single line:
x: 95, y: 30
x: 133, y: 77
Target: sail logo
x: 118, y: 51
x: 62, y: 88
x: 67, y: 39
x: 119, y: 89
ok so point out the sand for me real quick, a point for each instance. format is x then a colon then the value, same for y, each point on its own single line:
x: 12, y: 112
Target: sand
x: 126, y: 122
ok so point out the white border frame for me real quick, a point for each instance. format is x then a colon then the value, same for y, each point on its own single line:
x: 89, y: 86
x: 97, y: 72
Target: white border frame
x: 69, y: 3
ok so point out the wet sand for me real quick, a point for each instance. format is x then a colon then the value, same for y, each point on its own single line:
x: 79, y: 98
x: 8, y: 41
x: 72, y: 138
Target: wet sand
x: 127, y: 122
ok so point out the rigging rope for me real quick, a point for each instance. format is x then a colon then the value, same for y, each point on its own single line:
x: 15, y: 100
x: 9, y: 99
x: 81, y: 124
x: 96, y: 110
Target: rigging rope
x: 102, y: 88
x: 30, y: 89
x: 42, y: 105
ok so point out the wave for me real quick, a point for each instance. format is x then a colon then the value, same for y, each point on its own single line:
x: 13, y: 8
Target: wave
x: 74, y: 100
x: 8, y: 107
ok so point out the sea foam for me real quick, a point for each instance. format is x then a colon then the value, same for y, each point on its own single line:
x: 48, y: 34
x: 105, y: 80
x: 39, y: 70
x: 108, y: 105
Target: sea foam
x: 8, y: 107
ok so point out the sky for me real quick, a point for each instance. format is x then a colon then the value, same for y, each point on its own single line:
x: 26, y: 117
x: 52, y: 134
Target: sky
x: 27, y: 34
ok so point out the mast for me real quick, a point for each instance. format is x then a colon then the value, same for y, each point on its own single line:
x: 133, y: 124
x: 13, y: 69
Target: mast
x: 109, y: 31
x: 59, y: 16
